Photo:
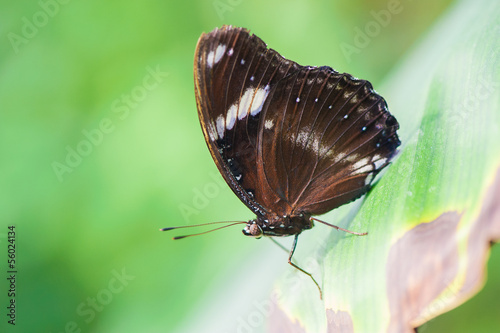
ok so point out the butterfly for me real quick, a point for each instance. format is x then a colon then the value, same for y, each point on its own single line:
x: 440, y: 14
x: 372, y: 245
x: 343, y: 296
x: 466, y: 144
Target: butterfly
x: 291, y: 141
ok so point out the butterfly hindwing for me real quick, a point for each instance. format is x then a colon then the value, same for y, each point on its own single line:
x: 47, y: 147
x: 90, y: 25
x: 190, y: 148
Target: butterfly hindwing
x: 324, y: 137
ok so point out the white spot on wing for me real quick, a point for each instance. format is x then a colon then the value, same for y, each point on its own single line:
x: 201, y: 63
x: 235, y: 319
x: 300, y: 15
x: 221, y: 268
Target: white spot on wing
x: 259, y: 99
x: 340, y: 156
x: 231, y: 117
x: 252, y: 101
x: 211, y: 131
x: 245, y: 101
x: 230, y: 52
x: 302, y: 137
x: 219, y: 53
x: 210, y: 59
x: 352, y: 157
x: 369, y: 178
x: 360, y: 166
x: 214, y: 58
x: 380, y: 162
x: 220, y: 126
x: 366, y: 168
x: 268, y: 124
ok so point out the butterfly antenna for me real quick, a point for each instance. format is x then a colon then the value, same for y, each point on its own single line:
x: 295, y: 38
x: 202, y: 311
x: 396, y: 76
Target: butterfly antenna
x: 228, y: 224
x: 339, y: 228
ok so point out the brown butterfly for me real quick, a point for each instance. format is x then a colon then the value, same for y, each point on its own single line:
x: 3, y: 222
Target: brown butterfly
x: 291, y: 141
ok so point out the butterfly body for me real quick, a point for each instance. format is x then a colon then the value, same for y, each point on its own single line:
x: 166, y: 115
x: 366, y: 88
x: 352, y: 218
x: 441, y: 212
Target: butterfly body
x: 273, y: 225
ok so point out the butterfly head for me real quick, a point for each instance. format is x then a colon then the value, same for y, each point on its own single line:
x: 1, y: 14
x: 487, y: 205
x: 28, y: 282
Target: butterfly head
x: 253, y: 229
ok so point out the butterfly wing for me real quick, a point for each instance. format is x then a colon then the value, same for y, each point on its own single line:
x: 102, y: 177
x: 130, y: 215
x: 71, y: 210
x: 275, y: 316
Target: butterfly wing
x: 234, y: 72
x: 285, y: 136
x: 324, y: 136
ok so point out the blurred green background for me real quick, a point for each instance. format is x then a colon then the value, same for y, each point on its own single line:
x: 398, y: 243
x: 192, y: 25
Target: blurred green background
x: 101, y: 146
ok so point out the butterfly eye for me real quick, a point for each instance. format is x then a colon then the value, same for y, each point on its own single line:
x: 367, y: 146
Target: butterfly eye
x: 253, y: 229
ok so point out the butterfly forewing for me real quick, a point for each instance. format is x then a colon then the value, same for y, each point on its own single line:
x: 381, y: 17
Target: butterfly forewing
x: 234, y: 73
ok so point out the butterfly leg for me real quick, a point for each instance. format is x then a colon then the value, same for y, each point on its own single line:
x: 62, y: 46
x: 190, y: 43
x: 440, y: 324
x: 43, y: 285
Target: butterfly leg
x: 300, y: 269
x: 279, y: 244
x: 339, y: 228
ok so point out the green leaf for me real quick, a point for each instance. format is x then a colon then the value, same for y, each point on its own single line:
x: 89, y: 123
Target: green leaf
x: 432, y: 216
